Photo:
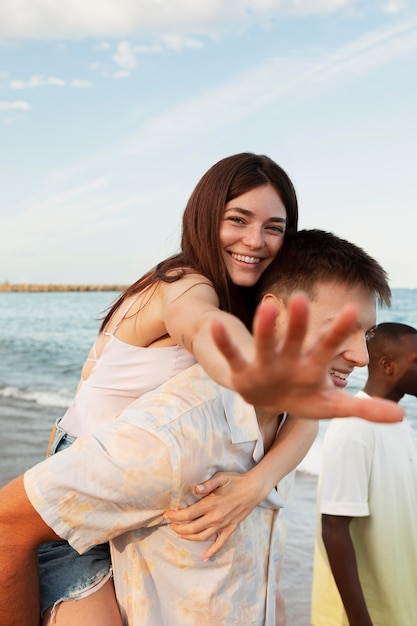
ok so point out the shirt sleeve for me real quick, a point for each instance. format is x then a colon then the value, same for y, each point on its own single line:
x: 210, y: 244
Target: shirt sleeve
x: 102, y: 486
x: 345, y: 472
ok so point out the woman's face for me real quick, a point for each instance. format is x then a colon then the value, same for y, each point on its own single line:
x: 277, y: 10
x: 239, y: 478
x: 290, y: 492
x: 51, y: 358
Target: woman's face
x: 251, y: 233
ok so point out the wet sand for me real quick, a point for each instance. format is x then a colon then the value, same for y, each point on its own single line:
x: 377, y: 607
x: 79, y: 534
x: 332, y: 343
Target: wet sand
x: 297, y: 572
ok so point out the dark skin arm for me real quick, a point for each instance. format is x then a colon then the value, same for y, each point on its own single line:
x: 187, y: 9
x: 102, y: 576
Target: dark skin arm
x: 342, y: 559
x: 22, y: 530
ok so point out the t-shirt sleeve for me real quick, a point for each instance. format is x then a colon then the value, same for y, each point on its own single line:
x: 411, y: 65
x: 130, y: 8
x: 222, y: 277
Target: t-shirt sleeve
x: 344, y: 476
x: 119, y: 479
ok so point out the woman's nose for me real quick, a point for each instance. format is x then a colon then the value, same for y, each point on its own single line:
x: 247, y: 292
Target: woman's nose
x: 254, y: 238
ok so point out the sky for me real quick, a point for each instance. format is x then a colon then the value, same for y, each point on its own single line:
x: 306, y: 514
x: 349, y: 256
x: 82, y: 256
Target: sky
x: 112, y: 110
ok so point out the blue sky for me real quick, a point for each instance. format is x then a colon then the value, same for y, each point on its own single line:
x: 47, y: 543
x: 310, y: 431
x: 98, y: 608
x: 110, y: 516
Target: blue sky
x: 111, y: 110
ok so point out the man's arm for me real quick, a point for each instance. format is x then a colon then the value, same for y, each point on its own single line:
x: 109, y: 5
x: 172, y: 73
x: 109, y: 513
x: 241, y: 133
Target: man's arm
x: 22, y: 530
x: 342, y: 559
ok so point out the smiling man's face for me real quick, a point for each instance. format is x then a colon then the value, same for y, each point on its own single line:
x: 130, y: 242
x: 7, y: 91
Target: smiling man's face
x: 329, y: 299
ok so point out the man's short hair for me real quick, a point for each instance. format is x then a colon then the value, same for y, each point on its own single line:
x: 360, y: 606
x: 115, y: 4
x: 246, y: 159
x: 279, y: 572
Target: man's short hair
x: 385, y: 339
x: 308, y: 257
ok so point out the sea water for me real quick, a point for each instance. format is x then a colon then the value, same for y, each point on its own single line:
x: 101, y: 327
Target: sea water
x: 44, y: 341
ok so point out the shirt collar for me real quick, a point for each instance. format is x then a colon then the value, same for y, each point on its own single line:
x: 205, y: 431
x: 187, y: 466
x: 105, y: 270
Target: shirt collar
x: 242, y: 421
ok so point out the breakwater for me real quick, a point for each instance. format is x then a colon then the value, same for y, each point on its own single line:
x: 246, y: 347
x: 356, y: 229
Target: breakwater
x: 10, y: 287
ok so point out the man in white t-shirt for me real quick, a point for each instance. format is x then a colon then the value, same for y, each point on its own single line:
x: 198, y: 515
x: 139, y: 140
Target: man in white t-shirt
x: 365, y: 568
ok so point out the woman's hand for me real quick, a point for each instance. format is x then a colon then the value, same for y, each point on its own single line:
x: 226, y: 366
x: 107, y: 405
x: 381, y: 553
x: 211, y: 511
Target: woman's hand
x: 228, y: 499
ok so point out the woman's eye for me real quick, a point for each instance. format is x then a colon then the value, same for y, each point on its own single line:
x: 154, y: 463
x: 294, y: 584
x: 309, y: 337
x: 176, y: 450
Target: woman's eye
x: 236, y: 219
x: 277, y: 229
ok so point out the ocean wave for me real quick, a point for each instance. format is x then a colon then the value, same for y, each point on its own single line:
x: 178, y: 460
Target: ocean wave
x: 44, y: 398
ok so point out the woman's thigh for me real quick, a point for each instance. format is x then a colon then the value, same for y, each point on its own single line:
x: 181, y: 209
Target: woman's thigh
x: 98, y: 609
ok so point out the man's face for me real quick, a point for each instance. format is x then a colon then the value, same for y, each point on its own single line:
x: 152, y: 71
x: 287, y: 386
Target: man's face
x: 329, y: 301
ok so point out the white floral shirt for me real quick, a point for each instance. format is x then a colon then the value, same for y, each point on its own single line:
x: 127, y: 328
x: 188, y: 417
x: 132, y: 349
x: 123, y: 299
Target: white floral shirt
x: 116, y: 485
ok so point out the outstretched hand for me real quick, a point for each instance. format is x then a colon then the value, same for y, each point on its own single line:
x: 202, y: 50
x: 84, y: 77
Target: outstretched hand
x: 284, y: 377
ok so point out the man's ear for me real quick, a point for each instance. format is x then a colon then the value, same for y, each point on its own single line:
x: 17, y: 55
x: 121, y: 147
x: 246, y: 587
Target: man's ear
x: 388, y: 366
x: 270, y: 298
x: 281, y: 321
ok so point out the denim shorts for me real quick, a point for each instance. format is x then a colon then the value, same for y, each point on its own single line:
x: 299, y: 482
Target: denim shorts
x: 65, y: 574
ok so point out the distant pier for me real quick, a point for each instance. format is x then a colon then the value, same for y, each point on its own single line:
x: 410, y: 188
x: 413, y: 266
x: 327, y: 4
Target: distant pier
x: 8, y: 287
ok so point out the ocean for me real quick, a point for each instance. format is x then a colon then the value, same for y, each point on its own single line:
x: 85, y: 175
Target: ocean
x: 44, y: 340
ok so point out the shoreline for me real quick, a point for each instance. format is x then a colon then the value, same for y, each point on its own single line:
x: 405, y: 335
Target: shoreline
x: 17, y: 288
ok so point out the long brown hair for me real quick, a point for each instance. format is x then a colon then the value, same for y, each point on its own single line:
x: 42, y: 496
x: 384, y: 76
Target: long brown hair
x: 200, y: 245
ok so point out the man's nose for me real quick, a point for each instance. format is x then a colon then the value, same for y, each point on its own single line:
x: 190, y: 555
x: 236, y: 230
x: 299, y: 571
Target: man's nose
x: 356, y: 350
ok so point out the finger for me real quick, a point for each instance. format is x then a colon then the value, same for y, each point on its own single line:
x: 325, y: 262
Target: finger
x: 210, y: 485
x: 224, y: 343
x: 191, y: 513
x: 201, y: 535
x: 218, y: 543
x: 371, y: 409
x: 297, y: 325
x: 264, y: 332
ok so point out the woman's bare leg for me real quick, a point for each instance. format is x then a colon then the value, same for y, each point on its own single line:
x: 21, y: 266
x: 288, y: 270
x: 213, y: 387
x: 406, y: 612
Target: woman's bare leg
x: 98, y: 609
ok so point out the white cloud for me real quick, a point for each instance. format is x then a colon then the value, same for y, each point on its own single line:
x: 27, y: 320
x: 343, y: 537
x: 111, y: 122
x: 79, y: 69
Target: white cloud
x: 394, y: 6
x: 177, y: 42
x: 37, y: 81
x: 224, y: 104
x: 76, y: 82
x: 313, y: 6
x: 125, y: 56
x: 371, y: 50
x: 42, y: 81
x: 152, y: 48
x: 19, y: 104
x: 113, y: 18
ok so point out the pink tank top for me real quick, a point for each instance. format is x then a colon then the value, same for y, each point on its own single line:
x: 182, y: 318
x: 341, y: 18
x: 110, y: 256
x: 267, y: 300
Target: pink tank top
x: 120, y: 375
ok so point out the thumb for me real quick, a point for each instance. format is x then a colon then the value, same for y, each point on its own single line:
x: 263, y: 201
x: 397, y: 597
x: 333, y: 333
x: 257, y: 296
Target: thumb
x: 210, y: 485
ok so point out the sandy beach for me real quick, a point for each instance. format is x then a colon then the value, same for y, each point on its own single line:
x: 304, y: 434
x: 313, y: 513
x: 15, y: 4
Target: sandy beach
x: 296, y: 576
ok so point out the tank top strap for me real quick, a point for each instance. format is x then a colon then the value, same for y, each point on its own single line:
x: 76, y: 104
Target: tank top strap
x: 93, y: 359
x: 121, y: 318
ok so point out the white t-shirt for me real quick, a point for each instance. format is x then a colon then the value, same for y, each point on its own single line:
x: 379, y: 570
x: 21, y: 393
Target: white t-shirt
x: 369, y: 472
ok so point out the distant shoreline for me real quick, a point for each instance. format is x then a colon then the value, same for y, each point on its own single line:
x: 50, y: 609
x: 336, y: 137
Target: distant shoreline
x: 9, y: 287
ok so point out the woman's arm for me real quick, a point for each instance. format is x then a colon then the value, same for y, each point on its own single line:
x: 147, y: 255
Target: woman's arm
x: 231, y: 497
x: 188, y: 309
